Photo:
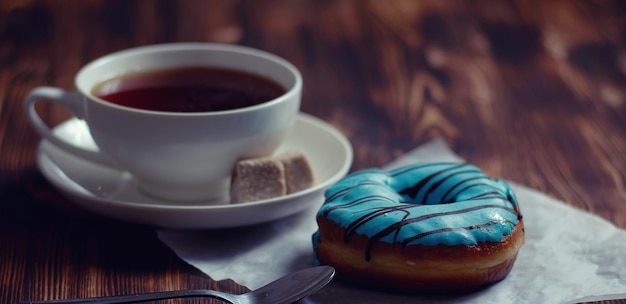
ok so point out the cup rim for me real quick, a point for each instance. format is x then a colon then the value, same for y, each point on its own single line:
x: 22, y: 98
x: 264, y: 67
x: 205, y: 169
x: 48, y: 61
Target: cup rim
x: 190, y: 46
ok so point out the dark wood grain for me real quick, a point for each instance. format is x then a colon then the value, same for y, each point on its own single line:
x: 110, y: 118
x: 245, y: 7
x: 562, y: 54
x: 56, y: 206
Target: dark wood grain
x: 532, y: 91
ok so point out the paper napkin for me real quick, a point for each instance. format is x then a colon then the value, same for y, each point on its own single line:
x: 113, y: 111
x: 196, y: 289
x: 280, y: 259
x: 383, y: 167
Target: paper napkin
x: 569, y: 255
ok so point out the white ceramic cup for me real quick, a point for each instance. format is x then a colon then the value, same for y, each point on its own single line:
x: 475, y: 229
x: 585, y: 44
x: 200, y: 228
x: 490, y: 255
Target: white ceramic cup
x: 176, y: 156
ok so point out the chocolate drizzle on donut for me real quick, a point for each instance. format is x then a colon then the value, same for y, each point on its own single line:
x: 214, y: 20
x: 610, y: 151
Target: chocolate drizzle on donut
x: 423, y: 204
x: 414, y: 190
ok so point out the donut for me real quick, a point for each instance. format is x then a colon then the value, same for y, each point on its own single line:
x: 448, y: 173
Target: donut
x: 426, y: 227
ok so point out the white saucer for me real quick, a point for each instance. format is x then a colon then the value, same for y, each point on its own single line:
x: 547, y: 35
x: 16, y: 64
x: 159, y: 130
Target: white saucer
x: 113, y: 193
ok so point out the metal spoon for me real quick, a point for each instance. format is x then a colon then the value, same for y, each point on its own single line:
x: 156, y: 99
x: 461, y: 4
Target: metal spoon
x: 288, y: 289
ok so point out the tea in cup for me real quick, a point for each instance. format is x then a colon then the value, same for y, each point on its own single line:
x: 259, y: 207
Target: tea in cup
x: 178, y: 116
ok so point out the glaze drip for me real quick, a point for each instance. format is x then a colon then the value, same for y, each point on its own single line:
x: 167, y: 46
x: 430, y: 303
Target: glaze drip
x: 423, y: 204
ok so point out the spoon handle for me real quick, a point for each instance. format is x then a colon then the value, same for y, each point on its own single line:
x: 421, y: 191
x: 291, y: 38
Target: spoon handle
x: 143, y: 297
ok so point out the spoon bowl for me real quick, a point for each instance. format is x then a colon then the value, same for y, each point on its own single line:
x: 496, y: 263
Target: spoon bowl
x: 288, y: 289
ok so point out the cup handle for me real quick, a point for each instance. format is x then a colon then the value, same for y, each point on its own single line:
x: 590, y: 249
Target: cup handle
x: 71, y: 101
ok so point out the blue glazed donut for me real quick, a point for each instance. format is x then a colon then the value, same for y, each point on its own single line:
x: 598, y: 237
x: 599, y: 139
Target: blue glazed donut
x: 428, y: 226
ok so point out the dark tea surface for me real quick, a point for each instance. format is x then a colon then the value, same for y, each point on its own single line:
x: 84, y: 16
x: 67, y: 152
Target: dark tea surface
x: 193, y: 89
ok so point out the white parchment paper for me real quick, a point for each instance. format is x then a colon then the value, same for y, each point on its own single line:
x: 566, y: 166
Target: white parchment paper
x: 569, y: 255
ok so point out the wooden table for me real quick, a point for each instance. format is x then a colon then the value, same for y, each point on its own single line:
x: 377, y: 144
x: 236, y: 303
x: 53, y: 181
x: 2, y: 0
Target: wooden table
x: 531, y: 91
